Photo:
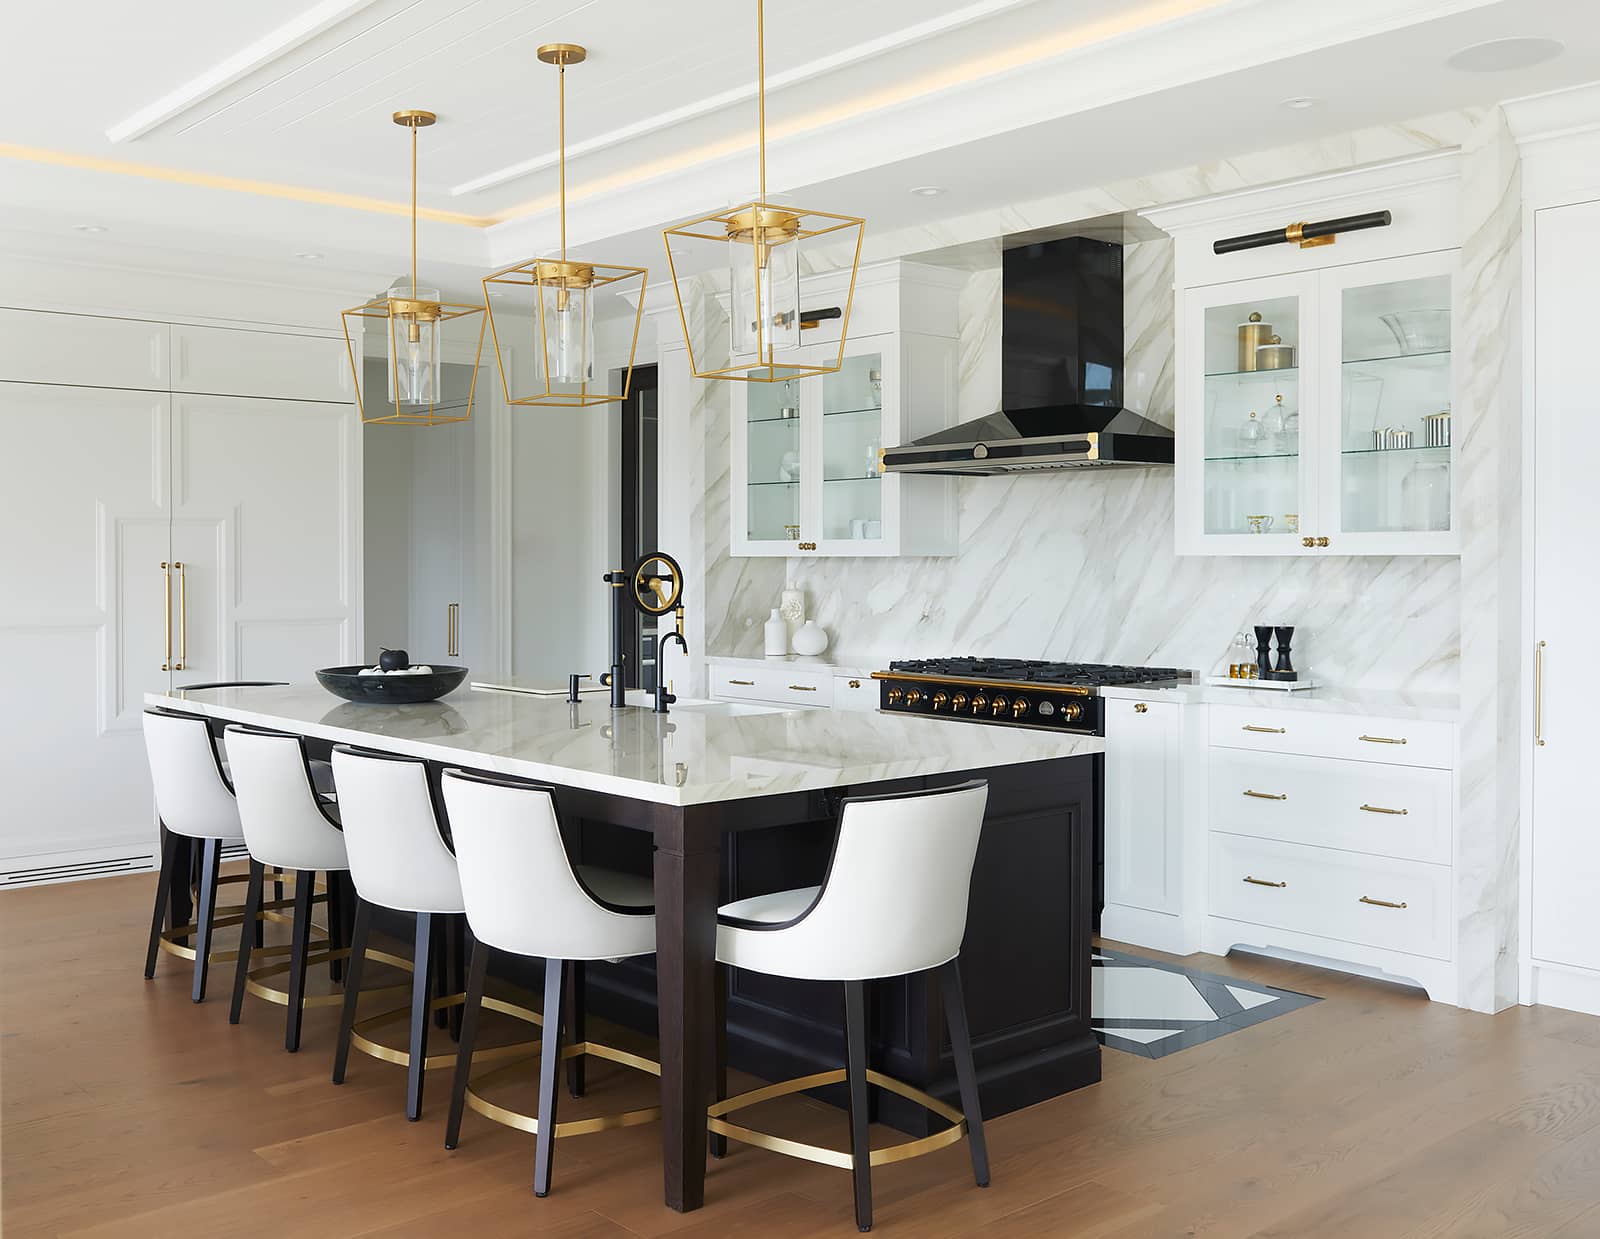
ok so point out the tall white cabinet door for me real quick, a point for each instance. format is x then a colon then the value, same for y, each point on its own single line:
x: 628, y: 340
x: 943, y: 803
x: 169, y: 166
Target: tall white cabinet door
x: 82, y: 615
x: 1143, y: 789
x: 266, y: 509
x: 1566, y: 841
x: 443, y: 609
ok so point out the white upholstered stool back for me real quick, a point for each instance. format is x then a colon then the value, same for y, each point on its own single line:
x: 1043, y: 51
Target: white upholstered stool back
x: 522, y: 893
x: 285, y: 822
x: 398, y: 858
x: 192, y: 796
x: 894, y: 900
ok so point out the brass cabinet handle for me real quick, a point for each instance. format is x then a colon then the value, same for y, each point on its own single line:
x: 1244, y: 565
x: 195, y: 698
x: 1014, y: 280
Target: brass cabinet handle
x: 1263, y: 882
x: 806, y: 546
x: 1538, y: 694
x: 1308, y: 541
x: 745, y: 683
x: 452, y: 630
x: 1372, y: 808
x: 1381, y: 903
x: 804, y: 688
x: 1322, y: 542
x: 855, y: 683
x: 1269, y: 731
x: 183, y: 617
x: 1382, y: 739
x: 166, y: 589
x: 1266, y: 795
x: 1139, y: 707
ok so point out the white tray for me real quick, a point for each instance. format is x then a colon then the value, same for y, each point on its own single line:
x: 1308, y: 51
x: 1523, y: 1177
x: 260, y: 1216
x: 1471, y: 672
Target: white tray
x: 1282, y: 686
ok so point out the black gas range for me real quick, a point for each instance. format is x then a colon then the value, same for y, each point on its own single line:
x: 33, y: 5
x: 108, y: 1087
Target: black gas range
x: 1011, y: 692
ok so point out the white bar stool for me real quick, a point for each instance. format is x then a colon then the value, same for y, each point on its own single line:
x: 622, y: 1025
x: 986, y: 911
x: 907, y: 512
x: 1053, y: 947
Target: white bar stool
x: 525, y: 897
x: 291, y: 826
x: 893, y: 902
x: 398, y: 860
x: 194, y: 801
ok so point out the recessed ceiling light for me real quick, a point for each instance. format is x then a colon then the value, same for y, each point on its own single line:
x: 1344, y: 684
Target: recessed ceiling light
x: 88, y: 227
x: 1300, y: 103
x: 309, y: 256
x: 927, y: 191
x: 1501, y: 54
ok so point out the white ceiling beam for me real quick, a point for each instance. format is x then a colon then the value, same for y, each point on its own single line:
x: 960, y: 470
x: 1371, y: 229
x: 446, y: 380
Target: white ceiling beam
x: 247, y: 60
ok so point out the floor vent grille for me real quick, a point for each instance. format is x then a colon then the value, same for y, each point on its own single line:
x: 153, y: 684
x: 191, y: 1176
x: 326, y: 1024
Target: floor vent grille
x: 72, y: 871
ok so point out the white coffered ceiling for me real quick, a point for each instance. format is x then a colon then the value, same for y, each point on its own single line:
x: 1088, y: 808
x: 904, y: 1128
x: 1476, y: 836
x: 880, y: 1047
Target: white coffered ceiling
x: 223, y: 131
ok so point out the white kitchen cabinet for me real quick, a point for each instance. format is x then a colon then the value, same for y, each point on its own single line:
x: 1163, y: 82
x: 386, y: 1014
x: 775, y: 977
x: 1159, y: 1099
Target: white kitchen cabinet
x: 84, y: 350
x: 805, y: 452
x: 1338, y: 441
x: 278, y: 365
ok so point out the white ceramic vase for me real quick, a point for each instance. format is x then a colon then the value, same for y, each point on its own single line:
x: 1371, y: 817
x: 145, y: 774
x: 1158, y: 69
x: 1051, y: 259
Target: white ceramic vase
x: 776, y: 636
x: 809, y: 639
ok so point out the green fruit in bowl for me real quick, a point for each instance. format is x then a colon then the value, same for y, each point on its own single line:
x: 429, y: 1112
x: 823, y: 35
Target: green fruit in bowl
x: 393, y: 660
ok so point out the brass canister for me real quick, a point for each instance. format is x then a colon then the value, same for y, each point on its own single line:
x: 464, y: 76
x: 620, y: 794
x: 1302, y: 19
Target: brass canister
x: 1252, y: 335
x: 1274, y: 354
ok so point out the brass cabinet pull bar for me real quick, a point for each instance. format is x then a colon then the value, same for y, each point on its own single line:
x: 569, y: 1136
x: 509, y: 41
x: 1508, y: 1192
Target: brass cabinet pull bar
x: 1382, y: 739
x: 1381, y: 903
x: 1269, y: 731
x: 1266, y: 795
x: 166, y: 589
x: 1538, y: 694
x: 1263, y: 882
x: 183, y: 617
x: 745, y: 683
x: 804, y: 688
x: 1372, y: 808
x: 452, y: 629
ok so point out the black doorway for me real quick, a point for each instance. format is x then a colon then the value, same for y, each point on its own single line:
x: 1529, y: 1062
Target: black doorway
x: 639, y: 487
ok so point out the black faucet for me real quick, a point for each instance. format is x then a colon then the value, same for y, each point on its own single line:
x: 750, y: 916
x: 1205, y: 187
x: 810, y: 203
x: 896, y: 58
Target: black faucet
x: 663, y: 697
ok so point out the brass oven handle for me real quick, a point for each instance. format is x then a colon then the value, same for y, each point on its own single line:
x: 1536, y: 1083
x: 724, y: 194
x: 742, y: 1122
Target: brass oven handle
x: 1538, y: 694
x: 183, y: 617
x: 1372, y: 808
x: 166, y: 589
x: 1381, y: 903
x: 1266, y: 795
x: 804, y: 688
x: 1382, y: 739
x: 1263, y: 882
x: 745, y: 683
x: 1269, y: 731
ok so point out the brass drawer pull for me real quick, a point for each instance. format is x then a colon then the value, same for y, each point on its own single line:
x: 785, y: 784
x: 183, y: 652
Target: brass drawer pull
x: 1139, y: 707
x: 855, y: 683
x: 1381, y: 740
x: 745, y: 683
x: 1381, y: 903
x: 1372, y: 808
x: 804, y: 688
x: 1266, y: 795
x: 806, y: 546
x: 1263, y: 882
x: 1269, y: 731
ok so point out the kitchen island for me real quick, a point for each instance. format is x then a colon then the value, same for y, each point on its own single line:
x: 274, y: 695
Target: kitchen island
x: 722, y: 802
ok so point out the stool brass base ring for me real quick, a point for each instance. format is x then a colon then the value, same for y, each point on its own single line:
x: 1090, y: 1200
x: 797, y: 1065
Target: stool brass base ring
x: 319, y: 953
x: 833, y: 1157
x: 402, y: 1058
x: 575, y: 1127
x: 225, y: 918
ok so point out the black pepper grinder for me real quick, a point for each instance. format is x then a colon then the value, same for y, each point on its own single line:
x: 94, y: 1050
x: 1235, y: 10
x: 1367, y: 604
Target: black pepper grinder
x: 1285, y: 669
x: 1263, y: 651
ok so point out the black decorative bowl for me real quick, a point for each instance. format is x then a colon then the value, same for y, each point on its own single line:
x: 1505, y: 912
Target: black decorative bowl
x: 391, y: 690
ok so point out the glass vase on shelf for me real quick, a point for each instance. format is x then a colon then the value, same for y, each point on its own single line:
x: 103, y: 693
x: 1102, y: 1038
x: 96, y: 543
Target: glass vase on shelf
x: 1251, y: 435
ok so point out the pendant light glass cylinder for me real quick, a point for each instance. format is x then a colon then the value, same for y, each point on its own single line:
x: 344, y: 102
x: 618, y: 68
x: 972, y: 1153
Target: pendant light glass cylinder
x: 764, y: 292
x: 565, y: 354
x: 414, y: 345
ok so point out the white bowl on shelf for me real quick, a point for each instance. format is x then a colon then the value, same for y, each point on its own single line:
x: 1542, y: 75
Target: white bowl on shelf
x: 1419, y: 331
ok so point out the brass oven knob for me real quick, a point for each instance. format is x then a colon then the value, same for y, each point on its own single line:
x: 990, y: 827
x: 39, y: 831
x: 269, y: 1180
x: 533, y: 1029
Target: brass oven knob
x: 913, y: 696
x: 999, y: 706
x: 1072, y: 711
x: 1019, y: 707
x: 895, y: 695
x: 979, y: 701
x: 958, y: 703
x: 940, y: 700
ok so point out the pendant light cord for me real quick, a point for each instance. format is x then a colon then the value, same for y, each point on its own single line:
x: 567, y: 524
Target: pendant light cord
x: 761, y: 89
x: 561, y: 114
x: 413, y: 212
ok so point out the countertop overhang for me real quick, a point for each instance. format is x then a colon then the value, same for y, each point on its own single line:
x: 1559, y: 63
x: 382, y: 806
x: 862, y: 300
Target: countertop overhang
x: 690, y: 756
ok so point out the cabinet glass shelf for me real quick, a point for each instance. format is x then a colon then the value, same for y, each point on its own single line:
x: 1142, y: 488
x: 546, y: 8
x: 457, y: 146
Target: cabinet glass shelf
x: 871, y: 408
x: 1424, y: 449
x: 794, y: 483
x: 1281, y: 371
x: 870, y: 477
x: 780, y: 421
x: 1439, y: 357
x: 1252, y: 456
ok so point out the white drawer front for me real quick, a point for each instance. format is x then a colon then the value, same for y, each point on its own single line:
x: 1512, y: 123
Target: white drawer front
x: 781, y: 683
x: 1399, y: 811
x: 1396, y: 905
x: 229, y: 362
x: 854, y: 692
x: 1401, y: 742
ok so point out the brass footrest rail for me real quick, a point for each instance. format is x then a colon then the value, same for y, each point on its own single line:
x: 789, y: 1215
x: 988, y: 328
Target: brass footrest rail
x: 819, y: 1153
x: 402, y: 1058
x: 225, y: 918
x: 317, y: 953
x: 574, y: 1127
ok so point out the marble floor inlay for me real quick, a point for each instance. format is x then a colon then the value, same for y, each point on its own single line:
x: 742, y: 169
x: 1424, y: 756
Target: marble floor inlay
x: 1147, y: 1007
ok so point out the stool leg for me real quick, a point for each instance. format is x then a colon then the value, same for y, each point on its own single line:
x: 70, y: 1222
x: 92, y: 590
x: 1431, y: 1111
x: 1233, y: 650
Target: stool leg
x: 210, y: 862
x: 955, y: 1014
x: 549, y: 1078
x: 469, y: 1034
x: 252, y: 908
x: 180, y: 903
x: 305, y: 882
x: 855, y: 1035
x: 421, y: 987
x: 577, y: 1020
x: 717, y: 1145
x: 352, y: 987
x: 335, y: 913
x: 455, y: 967
x: 439, y: 957
x: 169, y: 862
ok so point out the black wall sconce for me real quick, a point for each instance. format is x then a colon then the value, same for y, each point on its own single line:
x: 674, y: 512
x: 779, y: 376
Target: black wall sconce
x: 1304, y: 235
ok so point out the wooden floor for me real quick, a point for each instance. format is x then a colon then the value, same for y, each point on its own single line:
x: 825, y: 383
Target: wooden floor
x: 127, y: 1111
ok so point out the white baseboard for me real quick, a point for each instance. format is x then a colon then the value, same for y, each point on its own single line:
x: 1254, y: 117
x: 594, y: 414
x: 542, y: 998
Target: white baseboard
x: 1159, y: 931
x: 1435, y: 976
x: 1556, y: 985
x: 49, y: 868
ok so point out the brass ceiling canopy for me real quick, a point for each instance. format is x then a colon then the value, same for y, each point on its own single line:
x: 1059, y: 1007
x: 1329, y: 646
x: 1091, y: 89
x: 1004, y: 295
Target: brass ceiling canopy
x: 564, y: 294
x: 406, y: 326
x: 762, y: 241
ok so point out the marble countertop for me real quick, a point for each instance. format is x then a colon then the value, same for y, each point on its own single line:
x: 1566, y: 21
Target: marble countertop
x: 1328, y: 699
x: 702, y: 752
x: 843, y: 664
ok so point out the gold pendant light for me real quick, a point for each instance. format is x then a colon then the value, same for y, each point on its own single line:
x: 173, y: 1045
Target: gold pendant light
x: 762, y: 241
x: 405, y: 327
x: 564, y: 296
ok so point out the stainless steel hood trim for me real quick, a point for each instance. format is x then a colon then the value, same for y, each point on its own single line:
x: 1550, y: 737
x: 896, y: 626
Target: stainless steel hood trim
x: 980, y: 459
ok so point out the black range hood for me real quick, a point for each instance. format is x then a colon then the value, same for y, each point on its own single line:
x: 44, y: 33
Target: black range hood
x: 1061, y: 353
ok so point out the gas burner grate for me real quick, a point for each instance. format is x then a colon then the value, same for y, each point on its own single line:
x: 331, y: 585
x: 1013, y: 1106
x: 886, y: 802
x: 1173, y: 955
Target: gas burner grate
x: 1017, y: 670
